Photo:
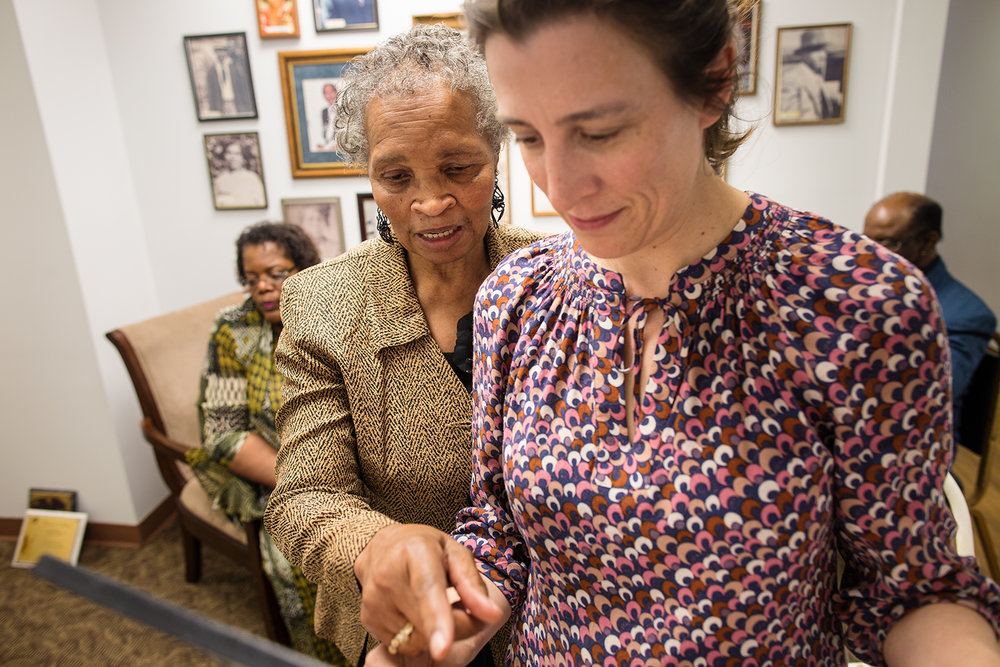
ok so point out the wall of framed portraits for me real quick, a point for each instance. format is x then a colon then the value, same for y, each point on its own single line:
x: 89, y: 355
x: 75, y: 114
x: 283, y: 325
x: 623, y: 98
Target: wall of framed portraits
x: 115, y: 212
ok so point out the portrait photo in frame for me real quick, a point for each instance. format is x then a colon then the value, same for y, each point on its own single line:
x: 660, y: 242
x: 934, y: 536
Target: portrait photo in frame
x: 367, y: 209
x: 320, y: 218
x: 333, y: 15
x: 746, y: 64
x: 811, y: 78
x: 219, y: 69
x: 310, y: 83
x: 277, y: 18
x: 235, y: 170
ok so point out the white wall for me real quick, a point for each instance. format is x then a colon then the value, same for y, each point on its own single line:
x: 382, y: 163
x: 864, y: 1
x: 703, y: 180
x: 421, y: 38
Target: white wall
x: 58, y: 429
x: 838, y: 170
x: 107, y: 171
x: 965, y: 167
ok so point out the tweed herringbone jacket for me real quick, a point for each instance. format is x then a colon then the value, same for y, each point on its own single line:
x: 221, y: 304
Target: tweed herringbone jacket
x: 375, y: 426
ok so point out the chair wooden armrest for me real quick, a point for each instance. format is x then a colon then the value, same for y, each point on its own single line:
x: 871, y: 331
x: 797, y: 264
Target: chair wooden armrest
x: 163, y: 356
x: 161, y: 443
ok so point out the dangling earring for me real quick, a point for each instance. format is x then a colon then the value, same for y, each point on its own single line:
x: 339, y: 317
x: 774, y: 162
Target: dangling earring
x: 498, y: 203
x: 383, y: 226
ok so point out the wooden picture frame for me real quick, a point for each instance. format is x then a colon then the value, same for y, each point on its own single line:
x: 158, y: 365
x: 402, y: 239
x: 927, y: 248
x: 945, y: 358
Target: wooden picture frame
x: 49, y: 532
x: 337, y: 15
x: 321, y: 219
x: 219, y: 70
x: 811, y: 77
x: 540, y: 204
x: 503, y: 180
x: 277, y: 19
x: 746, y: 64
x: 307, y: 78
x: 454, y: 20
x: 367, y: 209
x: 235, y: 170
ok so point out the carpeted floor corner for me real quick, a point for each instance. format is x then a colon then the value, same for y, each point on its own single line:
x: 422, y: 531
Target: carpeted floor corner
x: 42, y: 624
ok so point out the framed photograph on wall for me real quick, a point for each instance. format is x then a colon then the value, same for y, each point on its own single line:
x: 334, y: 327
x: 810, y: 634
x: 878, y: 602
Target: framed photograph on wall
x: 540, y: 204
x: 811, y: 78
x: 334, y: 15
x: 321, y: 219
x: 219, y: 68
x: 277, y: 18
x: 235, y: 170
x: 503, y: 180
x: 367, y: 209
x: 454, y: 20
x: 746, y: 65
x: 310, y: 83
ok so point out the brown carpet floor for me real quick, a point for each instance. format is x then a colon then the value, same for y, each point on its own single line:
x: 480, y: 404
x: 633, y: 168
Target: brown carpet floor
x: 42, y: 624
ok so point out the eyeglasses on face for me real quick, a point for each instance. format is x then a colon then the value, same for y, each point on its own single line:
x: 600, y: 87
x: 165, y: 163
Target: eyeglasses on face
x: 275, y: 277
x: 896, y: 244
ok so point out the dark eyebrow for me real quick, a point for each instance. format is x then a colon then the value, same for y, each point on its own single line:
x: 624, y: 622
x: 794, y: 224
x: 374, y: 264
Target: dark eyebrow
x: 601, y: 111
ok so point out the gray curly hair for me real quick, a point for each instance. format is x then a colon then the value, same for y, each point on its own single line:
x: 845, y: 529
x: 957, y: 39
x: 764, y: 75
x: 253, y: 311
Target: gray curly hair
x: 401, y: 65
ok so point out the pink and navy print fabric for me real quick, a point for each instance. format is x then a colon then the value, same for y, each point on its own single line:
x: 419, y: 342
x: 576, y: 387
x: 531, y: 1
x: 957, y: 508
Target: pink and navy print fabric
x: 799, y: 407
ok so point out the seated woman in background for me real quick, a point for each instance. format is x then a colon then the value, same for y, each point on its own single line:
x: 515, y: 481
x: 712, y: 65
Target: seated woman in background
x: 689, y: 404
x: 376, y: 349
x: 240, y: 393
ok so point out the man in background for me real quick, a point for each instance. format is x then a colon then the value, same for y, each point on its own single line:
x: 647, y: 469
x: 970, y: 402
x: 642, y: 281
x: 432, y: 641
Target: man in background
x: 909, y: 224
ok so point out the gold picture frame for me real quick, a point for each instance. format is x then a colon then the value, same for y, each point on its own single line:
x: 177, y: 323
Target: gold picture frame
x: 540, y: 204
x: 811, y: 74
x: 307, y: 78
x: 49, y: 532
x: 746, y: 63
x: 454, y: 20
x: 277, y: 18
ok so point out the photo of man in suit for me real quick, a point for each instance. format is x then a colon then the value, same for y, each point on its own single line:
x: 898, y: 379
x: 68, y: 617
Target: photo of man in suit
x: 328, y: 141
x: 342, y: 14
x: 220, y: 72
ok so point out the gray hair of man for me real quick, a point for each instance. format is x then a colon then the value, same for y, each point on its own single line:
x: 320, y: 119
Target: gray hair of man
x: 401, y: 66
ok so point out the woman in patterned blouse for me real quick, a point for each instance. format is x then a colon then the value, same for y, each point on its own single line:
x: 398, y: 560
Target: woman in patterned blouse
x: 240, y: 393
x: 690, y: 403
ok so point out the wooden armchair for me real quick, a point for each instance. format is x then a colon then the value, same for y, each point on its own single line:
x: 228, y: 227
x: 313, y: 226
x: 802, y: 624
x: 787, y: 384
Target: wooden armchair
x: 163, y: 356
x: 979, y: 431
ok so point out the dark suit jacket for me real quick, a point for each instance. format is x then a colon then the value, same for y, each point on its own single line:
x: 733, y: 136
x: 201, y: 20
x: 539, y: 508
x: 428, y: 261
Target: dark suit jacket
x: 970, y: 324
x: 351, y: 11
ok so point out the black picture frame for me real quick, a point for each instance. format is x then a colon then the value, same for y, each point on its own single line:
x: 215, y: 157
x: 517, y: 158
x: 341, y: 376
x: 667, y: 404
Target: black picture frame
x: 366, y: 215
x: 339, y: 15
x: 236, y: 179
x: 219, y: 70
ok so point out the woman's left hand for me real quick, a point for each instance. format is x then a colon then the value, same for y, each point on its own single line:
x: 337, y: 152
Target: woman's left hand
x: 471, y: 636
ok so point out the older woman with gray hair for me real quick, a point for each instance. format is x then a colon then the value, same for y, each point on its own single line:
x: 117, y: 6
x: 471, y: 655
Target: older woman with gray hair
x: 376, y: 350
